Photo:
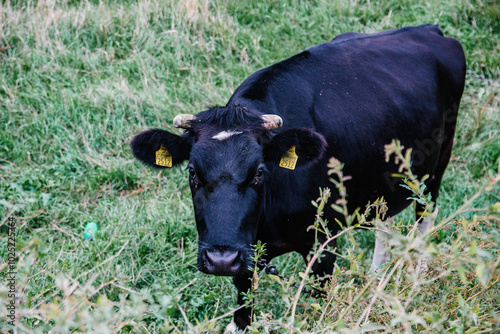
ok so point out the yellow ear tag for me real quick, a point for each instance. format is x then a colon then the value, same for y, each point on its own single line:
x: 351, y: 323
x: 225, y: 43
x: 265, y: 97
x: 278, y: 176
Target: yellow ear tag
x: 163, y: 157
x: 289, y: 159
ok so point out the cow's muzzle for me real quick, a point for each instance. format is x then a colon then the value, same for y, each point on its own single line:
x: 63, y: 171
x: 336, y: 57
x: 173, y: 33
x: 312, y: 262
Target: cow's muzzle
x: 221, y: 262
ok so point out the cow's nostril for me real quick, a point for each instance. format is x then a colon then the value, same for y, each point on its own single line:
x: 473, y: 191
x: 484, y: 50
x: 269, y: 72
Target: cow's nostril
x: 222, y: 257
x: 222, y: 262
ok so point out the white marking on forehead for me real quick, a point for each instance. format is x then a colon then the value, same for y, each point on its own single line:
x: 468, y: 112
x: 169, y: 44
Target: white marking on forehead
x: 226, y: 134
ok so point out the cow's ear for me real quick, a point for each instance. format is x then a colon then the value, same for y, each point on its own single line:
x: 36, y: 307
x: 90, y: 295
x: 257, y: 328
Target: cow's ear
x: 161, y: 149
x: 307, y: 145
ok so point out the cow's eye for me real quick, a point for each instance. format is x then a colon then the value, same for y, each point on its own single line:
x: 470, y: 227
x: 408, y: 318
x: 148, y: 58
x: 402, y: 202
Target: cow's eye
x: 260, y: 172
x: 191, y: 171
x: 192, y: 174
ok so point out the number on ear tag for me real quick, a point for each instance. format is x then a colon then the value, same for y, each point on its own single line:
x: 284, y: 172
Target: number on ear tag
x: 289, y: 159
x: 163, y: 157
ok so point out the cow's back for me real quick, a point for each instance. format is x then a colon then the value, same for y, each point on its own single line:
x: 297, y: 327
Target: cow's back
x: 361, y: 91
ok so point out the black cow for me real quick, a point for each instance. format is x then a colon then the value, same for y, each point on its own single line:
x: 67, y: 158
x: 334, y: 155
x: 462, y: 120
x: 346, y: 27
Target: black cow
x: 256, y: 163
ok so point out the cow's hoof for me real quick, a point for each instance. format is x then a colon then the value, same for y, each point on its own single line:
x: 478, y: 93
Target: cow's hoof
x: 232, y: 328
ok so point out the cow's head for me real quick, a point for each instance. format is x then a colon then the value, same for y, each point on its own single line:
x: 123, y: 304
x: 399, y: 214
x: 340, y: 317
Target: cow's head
x: 231, y: 152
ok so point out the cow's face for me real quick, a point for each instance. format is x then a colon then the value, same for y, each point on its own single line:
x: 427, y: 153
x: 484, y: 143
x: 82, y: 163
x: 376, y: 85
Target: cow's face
x: 227, y: 175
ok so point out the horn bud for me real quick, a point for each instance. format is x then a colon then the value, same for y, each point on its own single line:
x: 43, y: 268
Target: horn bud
x: 271, y: 121
x: 183, y: 121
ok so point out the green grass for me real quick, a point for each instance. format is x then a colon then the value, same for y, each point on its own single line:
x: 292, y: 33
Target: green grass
x: 79, y: 79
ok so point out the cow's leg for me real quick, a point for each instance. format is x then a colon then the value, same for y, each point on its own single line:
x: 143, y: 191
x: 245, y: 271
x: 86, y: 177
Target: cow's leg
x: 424, y: 225
x: 242, y: 317
x: 232, y: 328
x: 325, y: 267
x: 380, y: 254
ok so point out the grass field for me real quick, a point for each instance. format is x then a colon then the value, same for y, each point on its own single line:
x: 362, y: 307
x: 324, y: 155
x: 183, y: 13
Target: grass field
x: 79, y: 79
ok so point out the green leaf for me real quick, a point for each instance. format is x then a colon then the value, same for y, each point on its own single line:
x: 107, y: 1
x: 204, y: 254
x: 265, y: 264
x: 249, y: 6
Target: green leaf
x: 274, y: 277
x: 316, y: 306
x: 461, y: 274
x: 321, y: 206
x: 472, y: 248
x: 495, y: 207
x: 431, y: 249
x: 337, y: 208
x: 480, y: 270
x: 464, y: 222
